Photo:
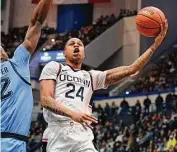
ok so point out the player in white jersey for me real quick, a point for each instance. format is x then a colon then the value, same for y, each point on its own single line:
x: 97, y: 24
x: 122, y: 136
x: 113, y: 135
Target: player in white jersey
x: 70, y: 87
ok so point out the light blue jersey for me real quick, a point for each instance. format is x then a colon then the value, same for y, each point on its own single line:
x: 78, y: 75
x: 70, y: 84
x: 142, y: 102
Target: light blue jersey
x: 16, y: 99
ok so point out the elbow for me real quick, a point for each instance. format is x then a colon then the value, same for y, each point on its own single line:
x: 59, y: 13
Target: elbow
x: 43, y: 101
x: 133, y: 69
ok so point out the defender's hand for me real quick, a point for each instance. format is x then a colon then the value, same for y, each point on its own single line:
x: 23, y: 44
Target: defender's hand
x: 84, y: 119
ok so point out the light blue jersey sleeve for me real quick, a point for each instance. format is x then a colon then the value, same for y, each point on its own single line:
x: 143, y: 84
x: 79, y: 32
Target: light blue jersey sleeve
x: 21, y: 60
x: 21, y: 56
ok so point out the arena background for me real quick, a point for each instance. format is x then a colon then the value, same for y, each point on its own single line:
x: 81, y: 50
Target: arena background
x: 136, y: 114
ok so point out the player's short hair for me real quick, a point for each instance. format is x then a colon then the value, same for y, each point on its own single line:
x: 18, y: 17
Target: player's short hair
x: 74, y: 38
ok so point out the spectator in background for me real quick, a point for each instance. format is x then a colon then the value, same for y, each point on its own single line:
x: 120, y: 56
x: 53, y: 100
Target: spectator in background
x: 107, y: 111
x: 108, y: 149
x: 114, y: 108
x: 174, y: 101
x: 159, y: 103
x: 169, y: 102
x: 137, y: 110
x: 124, y: 107
x: 147, y: 103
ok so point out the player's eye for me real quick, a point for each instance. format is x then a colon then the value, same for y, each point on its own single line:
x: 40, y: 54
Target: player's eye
x: 79, y: 44
x: 71, y: 43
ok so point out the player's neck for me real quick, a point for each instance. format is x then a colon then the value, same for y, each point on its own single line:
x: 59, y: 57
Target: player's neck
x: 74, y: 66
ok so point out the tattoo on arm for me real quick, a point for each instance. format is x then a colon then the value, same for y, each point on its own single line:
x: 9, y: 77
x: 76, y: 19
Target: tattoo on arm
x: 41, y: 11
x: 52, y: 105
x: 54, y: 110
x: 116, y: 74
x: 142, y: 60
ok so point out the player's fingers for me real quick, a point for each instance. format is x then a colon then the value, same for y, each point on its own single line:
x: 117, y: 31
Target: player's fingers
x: 166, y: 23
x: 162, y: 27
x: 88, y: 125
x: 166, y: 26
x: 84, y: 125
x: 91, y: 118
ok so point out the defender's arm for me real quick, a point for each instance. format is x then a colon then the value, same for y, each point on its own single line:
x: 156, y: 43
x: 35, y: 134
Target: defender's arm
x: 34, y: 30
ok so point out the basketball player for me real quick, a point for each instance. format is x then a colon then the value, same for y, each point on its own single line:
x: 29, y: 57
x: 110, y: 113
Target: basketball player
x: 72, y: 87
x: 16, y: 91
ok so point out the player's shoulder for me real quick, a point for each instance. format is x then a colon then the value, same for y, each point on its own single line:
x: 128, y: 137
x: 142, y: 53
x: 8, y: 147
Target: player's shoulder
x: 92, y: 71
x: 96, y: 73
x: 52, y: 64
x: 21, y: 56
x: 21, y: 47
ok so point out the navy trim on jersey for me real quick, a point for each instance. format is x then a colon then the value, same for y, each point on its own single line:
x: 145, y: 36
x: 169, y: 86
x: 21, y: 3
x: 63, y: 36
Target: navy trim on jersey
x: 91, y: 80
x: 19, y: 74
x: 15, y: 136
x: 59, y: 70
x: 72, y: 68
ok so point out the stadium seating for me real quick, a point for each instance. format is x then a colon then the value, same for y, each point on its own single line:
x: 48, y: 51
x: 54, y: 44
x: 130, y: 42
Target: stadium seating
x: 16, y: 35
x: 162, y: 77
x: 128, y: 128
x: 88, y: 33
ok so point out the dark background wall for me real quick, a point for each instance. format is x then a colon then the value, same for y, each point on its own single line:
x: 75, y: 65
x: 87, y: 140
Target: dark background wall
x: 74, y: 16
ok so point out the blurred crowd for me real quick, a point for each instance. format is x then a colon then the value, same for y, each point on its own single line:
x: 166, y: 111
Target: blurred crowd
x: 162, y: 77
x: 87, y: 33
x: 137, y: 128
x: 150, y: 126
x: 16, y: 36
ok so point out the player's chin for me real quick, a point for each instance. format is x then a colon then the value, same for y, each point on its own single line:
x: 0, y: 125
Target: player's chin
x: 78, y: 57
x: 77, y: 60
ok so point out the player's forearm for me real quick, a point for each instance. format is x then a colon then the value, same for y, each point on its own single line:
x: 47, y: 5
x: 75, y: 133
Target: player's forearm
x: 143, y: 59
x: 41, y: 11
x: 116, y: 74
x: 50, y: 104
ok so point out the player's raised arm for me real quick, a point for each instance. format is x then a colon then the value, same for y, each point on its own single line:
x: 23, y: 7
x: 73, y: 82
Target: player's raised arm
x: 37, y: 19
x: 116, y: 74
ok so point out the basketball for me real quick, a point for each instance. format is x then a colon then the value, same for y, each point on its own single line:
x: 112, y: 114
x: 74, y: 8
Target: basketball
x: 149, y: 20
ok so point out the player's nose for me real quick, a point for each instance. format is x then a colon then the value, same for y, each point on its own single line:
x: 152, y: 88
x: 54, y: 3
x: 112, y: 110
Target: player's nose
x: 76, y: 45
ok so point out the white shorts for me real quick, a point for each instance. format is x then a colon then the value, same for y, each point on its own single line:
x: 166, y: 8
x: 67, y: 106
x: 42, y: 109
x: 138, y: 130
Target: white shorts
x: 69, y: 137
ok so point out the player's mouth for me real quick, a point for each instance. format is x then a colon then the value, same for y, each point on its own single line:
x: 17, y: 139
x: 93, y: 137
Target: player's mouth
x: 76, y: 51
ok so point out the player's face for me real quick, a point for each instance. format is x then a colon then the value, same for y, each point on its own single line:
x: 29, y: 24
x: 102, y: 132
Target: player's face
x: 74, y: 51
x: 3, y: 54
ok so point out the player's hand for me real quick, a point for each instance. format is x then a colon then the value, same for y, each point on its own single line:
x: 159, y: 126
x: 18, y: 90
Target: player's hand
x: 84, y: 119
x: 161, y: 36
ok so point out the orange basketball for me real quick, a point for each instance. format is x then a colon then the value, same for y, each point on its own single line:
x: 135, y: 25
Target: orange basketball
x: 149, y: 20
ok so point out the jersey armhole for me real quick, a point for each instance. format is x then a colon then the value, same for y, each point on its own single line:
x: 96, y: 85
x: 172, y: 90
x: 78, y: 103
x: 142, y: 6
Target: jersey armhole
x: 91, y: 80
x: 59, y: 69
x: 28, y: 83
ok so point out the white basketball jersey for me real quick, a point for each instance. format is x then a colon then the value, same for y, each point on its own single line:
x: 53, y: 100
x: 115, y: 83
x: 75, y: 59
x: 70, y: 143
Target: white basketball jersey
x: 73, y: 88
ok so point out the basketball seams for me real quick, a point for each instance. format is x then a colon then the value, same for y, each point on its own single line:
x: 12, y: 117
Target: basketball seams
x: 158, y: 14
x: 149, y: 18
x: 147, y: 27
x: 146, y: 23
